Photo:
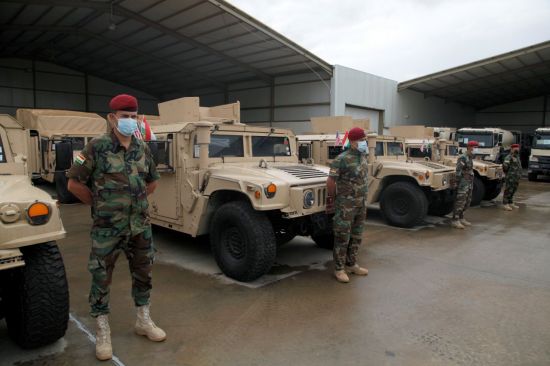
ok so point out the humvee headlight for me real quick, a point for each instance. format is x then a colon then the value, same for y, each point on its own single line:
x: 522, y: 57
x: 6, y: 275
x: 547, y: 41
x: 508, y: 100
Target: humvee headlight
x: 427, y: 175
x: 38, y: 213
x: 270, y: 190
x: 533, y: 158
x: 445, y: 181
x: 309, y: 199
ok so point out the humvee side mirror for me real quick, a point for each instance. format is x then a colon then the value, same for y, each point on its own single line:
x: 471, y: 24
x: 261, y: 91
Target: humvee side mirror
x: 63, y: 155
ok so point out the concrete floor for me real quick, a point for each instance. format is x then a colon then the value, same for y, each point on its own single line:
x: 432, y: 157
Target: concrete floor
x: 434, y: 296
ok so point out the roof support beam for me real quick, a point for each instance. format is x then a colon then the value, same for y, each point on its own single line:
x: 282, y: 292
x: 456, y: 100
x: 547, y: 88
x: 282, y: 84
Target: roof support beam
x: 116, y: 44
x: 121, y: 11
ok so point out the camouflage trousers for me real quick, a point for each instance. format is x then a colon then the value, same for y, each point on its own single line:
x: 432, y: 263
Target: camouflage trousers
x: 463, y: 198
x: 106, y: 248
x: 349, y: 221
x: 510, y: 188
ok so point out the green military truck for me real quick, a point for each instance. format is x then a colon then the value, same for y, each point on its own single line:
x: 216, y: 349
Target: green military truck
x: 34, y: 295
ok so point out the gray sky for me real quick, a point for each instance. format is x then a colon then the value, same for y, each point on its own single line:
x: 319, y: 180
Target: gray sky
x: 403, y: 39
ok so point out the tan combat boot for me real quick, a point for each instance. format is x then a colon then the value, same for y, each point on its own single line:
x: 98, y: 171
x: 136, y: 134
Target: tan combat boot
x: 514, y: 205
x: 465, y: 222
x: 507, y: 207
x: 356, y: 270
x: 457, y: 224
x: 341, y: 276
x: 103, y: 348
x: 146, y: 327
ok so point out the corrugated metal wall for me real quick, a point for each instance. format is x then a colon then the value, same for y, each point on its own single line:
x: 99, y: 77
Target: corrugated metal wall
x: 362, y: 90
x: 290, y: 103
x: 35, y: 84
x: 526, y: 115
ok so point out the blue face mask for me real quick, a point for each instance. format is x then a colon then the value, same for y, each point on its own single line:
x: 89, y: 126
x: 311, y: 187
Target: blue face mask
x: 362, y: 147
x: 127, y: 126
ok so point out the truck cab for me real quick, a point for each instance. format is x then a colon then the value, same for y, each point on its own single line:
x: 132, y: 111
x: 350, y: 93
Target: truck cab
x: 494, y: 143
x: 539, y: 160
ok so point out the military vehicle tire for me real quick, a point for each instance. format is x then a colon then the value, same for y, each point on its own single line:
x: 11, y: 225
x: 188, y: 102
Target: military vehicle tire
x: 404, y: 204
x: 492, y: 190
x: 478, y: 192
x: 63, y: 194
x: 37, y: 299
x: 532, y: 177
x: 442, y: 209
x: 325, y: 241
x: 243, y: 241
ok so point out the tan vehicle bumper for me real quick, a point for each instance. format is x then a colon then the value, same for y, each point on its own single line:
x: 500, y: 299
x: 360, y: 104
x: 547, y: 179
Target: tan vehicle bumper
x: 11, y: 258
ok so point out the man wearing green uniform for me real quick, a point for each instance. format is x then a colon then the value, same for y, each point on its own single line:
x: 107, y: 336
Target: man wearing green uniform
x: 512, y: 168
x: 119, y: 169
x: 464, y: 185
x: 347, y: 193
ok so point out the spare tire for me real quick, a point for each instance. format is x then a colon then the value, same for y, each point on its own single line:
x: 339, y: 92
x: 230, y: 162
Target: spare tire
x: 37, y: 298
x: 404, y: 204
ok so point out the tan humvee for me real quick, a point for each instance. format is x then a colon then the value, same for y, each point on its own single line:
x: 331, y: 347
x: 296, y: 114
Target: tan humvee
x: 240, y: 184
x: 47, y: 127
x: 406, y: 191
x: 34, y: 296
x: 420, y: 145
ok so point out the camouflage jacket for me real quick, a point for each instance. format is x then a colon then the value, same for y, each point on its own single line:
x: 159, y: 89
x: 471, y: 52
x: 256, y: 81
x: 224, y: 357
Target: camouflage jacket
x: 118, y: 179
x: 349, y: 169
x: 512, y: 166
x: 465, y: 168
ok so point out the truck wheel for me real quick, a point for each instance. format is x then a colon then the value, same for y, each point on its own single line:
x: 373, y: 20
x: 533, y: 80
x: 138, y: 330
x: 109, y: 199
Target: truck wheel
x: 492, y: 190
x: 37, y: 301
x: 63, y: 194
x: 532, y: 177
x: 442, y: 208
x: 325, y: 241
x: 404, y: 204
x: 478, y: 193
x: 243, y: 241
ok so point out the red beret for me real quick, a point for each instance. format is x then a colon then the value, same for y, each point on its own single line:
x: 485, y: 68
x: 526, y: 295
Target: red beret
x: 515, y: 146
x: 473, y: 143
x: 124, y: 102
x: 356, y: 133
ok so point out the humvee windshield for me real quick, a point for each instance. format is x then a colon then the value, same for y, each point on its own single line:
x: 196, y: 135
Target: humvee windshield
x: 77, y: 142
x: 395, y: 148
x: 417, y: 152
x: 485, y: 139
x: 452, y: 150
x: 379, y: 151
x: 270, y: 146
x: 2, y: 152
x: 225, y: 146
x: 541, y: 141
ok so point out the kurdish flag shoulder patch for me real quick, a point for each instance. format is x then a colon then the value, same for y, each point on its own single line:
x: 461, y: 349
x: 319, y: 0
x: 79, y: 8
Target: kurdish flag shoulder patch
x: 79, y: 159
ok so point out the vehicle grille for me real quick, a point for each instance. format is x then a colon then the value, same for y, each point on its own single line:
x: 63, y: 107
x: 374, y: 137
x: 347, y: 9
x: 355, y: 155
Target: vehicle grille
x: 321, y: 196
x: 432, y: 165
x: 302, y: 172
x: 544, y: 159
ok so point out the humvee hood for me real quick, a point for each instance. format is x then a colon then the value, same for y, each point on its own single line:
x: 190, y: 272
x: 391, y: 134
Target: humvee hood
x: 15, y: 188
x: 291, y: 173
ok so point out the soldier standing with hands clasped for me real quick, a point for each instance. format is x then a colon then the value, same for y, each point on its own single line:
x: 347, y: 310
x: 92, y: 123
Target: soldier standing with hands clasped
x: 464, y: 185
x: 512, y: 168
x: 120, y: 171
x: 347, y: 194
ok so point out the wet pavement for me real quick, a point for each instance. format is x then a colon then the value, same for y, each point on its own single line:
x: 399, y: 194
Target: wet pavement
x: 434, y: 296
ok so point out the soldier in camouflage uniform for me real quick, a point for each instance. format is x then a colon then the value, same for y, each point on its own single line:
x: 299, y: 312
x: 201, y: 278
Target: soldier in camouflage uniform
x: 120, y: 171
x: 347, y: 192
x: 464, y: 185
x: 512, y: 168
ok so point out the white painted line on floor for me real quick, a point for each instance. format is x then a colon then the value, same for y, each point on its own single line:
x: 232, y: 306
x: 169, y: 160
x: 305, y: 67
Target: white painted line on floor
x: 91, y: 337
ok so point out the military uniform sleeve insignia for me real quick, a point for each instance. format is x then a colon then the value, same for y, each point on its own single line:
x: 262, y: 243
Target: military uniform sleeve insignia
x: 79, y: 159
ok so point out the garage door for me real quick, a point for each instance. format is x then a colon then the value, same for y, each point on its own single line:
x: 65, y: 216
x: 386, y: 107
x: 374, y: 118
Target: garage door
x: 371, y: 114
